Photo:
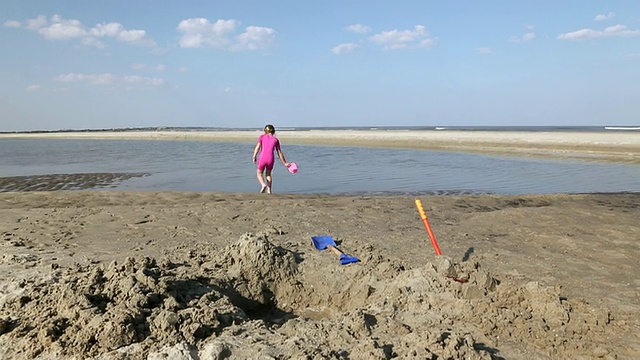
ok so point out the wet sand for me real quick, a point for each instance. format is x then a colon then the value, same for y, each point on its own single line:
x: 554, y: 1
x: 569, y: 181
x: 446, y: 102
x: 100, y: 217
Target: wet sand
x: 55, y: 182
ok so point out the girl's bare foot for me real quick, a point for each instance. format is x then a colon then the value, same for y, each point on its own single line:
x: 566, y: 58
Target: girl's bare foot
x: 264, y: 188
x: 268, y: 190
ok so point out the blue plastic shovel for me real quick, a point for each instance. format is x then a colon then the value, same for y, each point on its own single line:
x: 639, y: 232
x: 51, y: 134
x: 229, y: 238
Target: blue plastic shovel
x: 322, y: 242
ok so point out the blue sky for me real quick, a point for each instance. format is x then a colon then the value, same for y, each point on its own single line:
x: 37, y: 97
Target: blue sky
x: 82, y: 64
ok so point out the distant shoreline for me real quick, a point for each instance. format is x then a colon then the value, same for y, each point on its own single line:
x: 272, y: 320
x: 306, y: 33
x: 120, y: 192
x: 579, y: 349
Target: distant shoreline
x: 540, y: 128
x: 614, y: 146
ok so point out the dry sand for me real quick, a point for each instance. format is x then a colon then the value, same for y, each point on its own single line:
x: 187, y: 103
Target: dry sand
x: 142, y: 275
x: 618, y: 146
x: 113, y: 275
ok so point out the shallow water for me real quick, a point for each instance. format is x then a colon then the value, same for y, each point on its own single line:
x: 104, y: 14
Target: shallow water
x: 226, y: 167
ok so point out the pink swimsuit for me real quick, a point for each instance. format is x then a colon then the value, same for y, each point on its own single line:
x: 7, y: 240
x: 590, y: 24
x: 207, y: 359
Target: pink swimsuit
x: 268, y: 143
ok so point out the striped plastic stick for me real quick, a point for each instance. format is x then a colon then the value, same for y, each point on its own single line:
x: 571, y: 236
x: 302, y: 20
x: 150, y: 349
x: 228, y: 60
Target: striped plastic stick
x: 423, y: 216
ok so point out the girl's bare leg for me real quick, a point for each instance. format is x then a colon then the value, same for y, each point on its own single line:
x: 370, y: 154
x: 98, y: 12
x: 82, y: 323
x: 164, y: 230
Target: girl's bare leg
x: 263, y: 185
x: 269, y: 182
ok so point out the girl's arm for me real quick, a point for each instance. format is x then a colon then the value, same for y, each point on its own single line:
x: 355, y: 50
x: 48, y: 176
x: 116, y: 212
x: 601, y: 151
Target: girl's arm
x: 255, y: 152
x: 281, y: 156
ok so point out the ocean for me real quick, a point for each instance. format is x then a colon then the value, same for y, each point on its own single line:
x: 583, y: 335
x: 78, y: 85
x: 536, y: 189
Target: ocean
x: 209, y: 166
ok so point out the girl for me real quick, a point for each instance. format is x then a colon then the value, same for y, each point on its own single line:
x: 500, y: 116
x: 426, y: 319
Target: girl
x: 267, y: 143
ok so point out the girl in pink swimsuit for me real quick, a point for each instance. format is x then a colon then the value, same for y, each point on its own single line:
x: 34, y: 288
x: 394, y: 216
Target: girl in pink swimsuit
x: 267, y: 144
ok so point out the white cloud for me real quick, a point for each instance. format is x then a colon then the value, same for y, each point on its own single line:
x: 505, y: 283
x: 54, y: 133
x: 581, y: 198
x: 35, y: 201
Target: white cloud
x: 484, y: 50
x: 183, y: 69
x: 89, y: 41
x: 37, y: 23
x: 612, y: 31
x: 96, y: 79
x: 401, y: 39
x: 359, y: 29
x: 254, y: 38
x: 59, y: 28
x: 227, y: 89
x: 605, y: 17
x: 12, y: 24
x: 108, y: 79
x: 111, y: 29
x: 200, y: 32
x: 344, y: 48
x: 148, y: 81
x: 524, y: 38
x: 34, y: 87
x: 134, y: 37
x: 158, y: 68
x: 427, y: 43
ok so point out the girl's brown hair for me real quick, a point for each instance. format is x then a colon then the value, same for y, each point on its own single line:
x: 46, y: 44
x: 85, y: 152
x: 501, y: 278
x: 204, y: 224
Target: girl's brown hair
x: 269, y: 129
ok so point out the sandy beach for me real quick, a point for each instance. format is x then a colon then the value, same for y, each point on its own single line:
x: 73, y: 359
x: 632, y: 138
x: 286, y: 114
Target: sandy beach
x: 115, y: 275
x: 89, y: 274
x: 618, y: 146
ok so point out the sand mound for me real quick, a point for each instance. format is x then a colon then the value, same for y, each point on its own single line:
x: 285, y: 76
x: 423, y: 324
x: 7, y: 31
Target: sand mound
x: 254, y: 299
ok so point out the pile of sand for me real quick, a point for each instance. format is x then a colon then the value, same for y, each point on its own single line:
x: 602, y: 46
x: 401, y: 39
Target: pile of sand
x: 256, y: 300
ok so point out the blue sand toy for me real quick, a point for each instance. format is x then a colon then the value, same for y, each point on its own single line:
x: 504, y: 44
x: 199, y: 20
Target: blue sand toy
x: 325, y: 241
x: 347, y: 259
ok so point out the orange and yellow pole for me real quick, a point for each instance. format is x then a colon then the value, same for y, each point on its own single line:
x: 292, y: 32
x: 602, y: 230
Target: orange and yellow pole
x: 423, y: 216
